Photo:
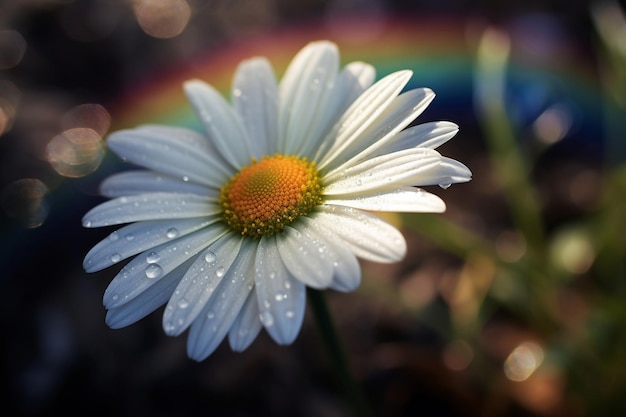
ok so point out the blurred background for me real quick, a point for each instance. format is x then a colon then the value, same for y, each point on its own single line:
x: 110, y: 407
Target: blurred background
x: 512, y: 303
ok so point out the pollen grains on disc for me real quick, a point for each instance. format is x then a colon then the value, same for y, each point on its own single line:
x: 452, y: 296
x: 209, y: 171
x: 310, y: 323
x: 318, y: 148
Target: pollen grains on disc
x: 269, y: 194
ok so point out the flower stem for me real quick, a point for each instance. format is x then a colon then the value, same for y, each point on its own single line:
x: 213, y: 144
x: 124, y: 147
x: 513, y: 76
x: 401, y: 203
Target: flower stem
x: 351, y: 389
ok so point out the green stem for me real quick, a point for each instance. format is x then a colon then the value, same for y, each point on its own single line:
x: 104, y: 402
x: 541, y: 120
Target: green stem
x: 337, y: 355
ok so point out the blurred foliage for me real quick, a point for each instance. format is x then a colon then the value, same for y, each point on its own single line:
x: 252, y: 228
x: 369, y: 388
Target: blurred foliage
x: 561, y: 288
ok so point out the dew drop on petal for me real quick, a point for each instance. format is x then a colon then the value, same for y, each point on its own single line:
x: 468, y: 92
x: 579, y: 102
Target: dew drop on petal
x: 130, y: 237
x: 114, y: 236
x: 183, y: 303
x: 280, y: 296
x: 153, y: 271
x: 116, y: 257
x: 220, y: 271
x: 210, y: 315
x: 290, y: 314
x: 266, y: 318
x: 445, y: 185
x: 172, y: 232
x: 210, y: 257
x: 153, y: 257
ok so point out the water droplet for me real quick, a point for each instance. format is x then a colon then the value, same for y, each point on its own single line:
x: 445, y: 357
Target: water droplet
x: 266, y: 318
x: 114, y: 236
x: 172, y: 232
x: 210, y: 257
x: 130, y: 237
x: 220, y: 271
x: 153, y: 257
x: 210, y: 315
x: 185, y: 178
x: 280, y: 296
x: 183, y: 303
x: 116, y: 257
x: 115, y: 297
x: 272, y: 275
x: 87, y: 224
x: 153, y: 271
x: 445, y: 185
x: 287, y: 284
x: 290, y: 314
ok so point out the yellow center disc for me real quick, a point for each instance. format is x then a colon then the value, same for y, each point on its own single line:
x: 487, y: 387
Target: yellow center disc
x: 269, y: 194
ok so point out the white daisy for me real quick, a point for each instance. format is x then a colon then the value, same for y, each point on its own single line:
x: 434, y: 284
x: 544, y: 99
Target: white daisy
x: 230, y: 225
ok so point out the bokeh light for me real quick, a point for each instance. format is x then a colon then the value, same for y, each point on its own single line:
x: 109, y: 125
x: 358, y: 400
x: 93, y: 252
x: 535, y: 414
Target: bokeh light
x: 76, y: 152
x: 12, y: 48
x: 553, y: 124
x: 24, y: 200
x: 91, y: 116
x: 573, y: 251
x: 523, y: 361
x: 9, y: 99
x: 458, y: 355
x: 162, y: 18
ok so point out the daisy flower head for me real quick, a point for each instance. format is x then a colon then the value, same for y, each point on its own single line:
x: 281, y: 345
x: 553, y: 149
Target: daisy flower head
x: 228, y: 226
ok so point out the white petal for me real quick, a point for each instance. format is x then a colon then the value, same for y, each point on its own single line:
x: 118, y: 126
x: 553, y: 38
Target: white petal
x: 383, y: 172
x: 360, y: 115
x: 340, y: 93
x: 152, y: 265
x: 255, y: 97
x: 280, y: 297
x: 181, y: 153
x: 404, y: 199
x: 246, y: 326
x: 138, y: 237
x: 199, y: 284
x: 367, y: 236
x: 346, y: 269
x: 448, y: 171
x: 141, y: 182
x: 216, y: 319
x: 154, y: 206
x: 304, y: 255
x: 148, y: 301
x: 304, y: 94
x: 401, y: 111
x: 353, y: 80
x: 223, y: 125
x: 426, y: 135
